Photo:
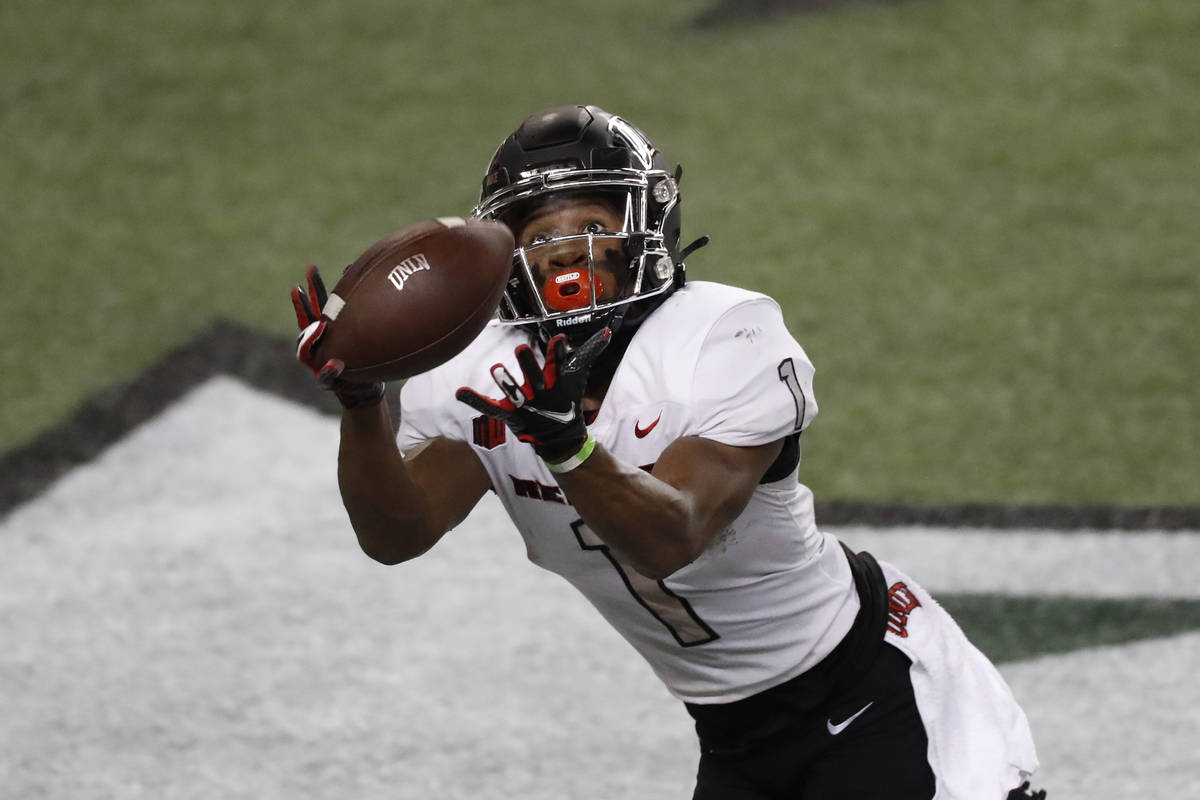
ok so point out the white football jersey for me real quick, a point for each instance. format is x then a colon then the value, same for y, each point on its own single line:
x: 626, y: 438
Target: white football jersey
x: 772, y: 595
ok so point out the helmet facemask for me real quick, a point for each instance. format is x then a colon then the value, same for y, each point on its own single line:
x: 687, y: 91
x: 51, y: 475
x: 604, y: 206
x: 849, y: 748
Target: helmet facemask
x: 604, y: 270
x: 573, y: 152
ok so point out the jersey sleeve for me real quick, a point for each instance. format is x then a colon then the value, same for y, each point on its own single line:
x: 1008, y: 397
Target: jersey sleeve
x: 420, y: 414
x: 753, y: 382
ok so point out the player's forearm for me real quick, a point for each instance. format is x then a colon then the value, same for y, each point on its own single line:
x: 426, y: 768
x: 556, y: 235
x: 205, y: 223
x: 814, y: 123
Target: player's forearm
x: 389, y: 514
x: 649, y: 524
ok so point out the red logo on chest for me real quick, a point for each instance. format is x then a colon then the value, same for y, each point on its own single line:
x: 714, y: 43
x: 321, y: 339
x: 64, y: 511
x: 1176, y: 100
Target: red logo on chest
x: 487, y: 432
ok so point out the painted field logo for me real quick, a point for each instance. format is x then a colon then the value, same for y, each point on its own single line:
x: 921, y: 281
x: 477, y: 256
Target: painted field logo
x: 406, y: 268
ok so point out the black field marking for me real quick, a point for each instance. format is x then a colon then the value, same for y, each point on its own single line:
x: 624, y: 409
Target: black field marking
x: 103, y: 419
x: 725, y: 12
x: 1015, y: 517
x: 269, y: 363
x: 1008, y: 628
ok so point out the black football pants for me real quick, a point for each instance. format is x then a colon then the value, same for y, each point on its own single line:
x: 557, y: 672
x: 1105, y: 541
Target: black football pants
x: 865, y: 742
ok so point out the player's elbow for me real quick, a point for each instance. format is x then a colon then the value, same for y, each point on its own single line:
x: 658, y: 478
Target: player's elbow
x: 665, y: 561
x: 391, y: 546
x: 657, y: 572
x: 390, y: 554
x: 672, y: 553
x: 388, y: 560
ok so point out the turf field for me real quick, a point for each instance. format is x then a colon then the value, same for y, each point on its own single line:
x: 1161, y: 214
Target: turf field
x: 980, y: 217
x: 184, y: 629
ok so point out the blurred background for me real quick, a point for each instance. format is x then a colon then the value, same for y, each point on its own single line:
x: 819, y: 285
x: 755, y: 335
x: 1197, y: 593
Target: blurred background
x: 980, y: 218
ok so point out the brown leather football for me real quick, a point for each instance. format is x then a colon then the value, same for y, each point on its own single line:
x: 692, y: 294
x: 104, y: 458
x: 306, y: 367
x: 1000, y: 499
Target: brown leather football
x: 416, y: 298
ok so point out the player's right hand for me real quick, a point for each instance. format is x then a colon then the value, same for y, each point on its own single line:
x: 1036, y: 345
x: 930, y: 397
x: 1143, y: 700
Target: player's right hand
x: 308, y: 302
x: 547, y: 409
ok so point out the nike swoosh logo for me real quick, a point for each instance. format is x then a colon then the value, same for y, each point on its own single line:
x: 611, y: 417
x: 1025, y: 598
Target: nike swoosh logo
x: 834, y: 730
x: 641, y: 432
x: 558, y: 416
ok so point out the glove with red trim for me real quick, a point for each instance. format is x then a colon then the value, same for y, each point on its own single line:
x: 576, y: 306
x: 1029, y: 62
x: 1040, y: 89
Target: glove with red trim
x: 547, y: 409
x: 308, y: 301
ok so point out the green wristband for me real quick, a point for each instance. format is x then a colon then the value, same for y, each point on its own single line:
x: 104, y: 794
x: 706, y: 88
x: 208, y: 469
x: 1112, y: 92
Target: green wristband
x: 574, y: 461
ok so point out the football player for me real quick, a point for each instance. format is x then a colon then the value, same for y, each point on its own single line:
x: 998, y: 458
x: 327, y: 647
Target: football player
x: 644, y: 434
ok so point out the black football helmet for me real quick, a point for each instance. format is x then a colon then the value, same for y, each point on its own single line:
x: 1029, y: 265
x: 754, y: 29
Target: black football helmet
x: 586, y: 151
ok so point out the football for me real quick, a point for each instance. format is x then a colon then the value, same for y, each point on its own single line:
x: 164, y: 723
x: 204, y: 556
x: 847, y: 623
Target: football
x: 416, y: 298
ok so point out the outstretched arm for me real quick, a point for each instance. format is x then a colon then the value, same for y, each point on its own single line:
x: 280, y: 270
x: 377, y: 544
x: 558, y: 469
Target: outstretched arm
x: 399, y: 507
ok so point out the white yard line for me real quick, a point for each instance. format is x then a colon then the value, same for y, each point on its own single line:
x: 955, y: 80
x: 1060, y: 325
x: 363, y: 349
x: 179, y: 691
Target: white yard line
x: 1041, y: 562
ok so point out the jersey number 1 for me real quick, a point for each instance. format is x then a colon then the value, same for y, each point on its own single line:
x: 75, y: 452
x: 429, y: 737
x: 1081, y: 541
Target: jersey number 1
x: 787, y: 374
x: 674, y: 612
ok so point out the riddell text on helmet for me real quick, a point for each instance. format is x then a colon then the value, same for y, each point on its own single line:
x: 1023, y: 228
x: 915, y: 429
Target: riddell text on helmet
x: 578, y: 320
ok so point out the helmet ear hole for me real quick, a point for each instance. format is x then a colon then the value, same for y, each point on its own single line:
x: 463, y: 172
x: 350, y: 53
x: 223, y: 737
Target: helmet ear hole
x: 663, y: 268
x: 666, y: 190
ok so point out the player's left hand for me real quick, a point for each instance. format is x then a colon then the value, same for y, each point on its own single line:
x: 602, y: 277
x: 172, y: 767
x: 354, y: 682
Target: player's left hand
x: 308, y: 301
x: 547, y: 409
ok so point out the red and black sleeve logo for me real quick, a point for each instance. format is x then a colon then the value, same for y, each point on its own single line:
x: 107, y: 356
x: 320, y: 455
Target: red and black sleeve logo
x: 488, y: 432
x: 901, y: 602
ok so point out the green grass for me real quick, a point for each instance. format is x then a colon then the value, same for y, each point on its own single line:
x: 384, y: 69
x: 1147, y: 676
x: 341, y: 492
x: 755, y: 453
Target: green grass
x: 980, y: 217
x: 1010, y: 628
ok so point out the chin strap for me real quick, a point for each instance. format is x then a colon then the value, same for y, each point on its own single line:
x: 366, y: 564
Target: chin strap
x: 693, y: 247
x: 618, y: 318
x: 703, y: 240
